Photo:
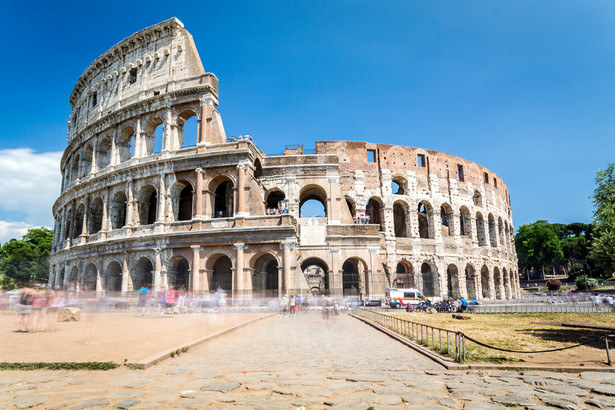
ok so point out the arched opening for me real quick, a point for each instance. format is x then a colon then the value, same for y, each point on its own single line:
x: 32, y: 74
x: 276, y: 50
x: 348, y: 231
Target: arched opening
x: 446, y: 220
x: 276, y: 202
x: 74, y: 171
x: 497, y: 282
x: 265, y: 282
x: 405, y: 276
x: 429, y: 278
x: 90, y: 278
x: 72, y: 278
x: 352, y: 208
x: 425, y: 217
x: 181, y: 199
x: 501, y: 231
x: 493, y: 239
x: 78, y: 221
x: 352, y: 275
x: 258, y: 169
x: 68, y: 223
x: 142, y: 274
x: 125, y: 144
x: 465, y: 223
x: 471, y: 284
x: 222, y: 275
x: 103, y: 153
x: 484, y: 282
x: 117, y: 210
x: 373, y: 209
x: 506, y: 278
x: 86, y: 162
x: 179, y: 273
x: 400, y: 219
x: 95, y: 216
x: 148, y: 204
x: 480, y: 230
x: 113, y: 277
x: 313, y: 202
x: 507, y: 234
x: 477, y: 198
x: 454, y: 288
x: 316, y: 273
x: 223, y: 200
x: 187, y: 129
x: 153, y: 136
x: 398, y: 186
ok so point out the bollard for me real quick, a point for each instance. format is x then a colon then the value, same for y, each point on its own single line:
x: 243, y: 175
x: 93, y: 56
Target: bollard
x: 608, y: 353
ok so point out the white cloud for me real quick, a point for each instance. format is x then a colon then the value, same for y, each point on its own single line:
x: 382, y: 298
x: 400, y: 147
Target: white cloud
x: 30, y: 182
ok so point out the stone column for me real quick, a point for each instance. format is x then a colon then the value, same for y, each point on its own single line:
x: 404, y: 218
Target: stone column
x: 58, y: 277
x: 157, y: 268
x: 105, y: 215
x: 130, y: 208
x: 168, y: 135
x: 373, y: 255
x: 199, y: 192
x: 239, y: 282
x: 332, y: 179
x: 241, y: 185
x: 94, y: 167
x: 162, y: 192
x: 138, y: 150
x: 66, y: 273
x: 335, y: 273
x: 288, y: 245
x: 196, y: 267
x: 52, y: 273
x: 125, y: 274
x: 115, y: 155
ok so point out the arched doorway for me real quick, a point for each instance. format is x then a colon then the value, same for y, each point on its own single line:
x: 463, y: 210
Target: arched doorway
x: 148, y: 204
x: 223, y: 200
x: 484, y: 281
x: 425, y: 217
x: 429, y: 279
x: 313, y: 202
x: 90, y: 278
x: 117, y: 210
x: 497, y: 283
x: 353, y: 273
x: 275, y: 202
x: 113, y: 277
x: 400, y: 219
x: 265, y: 282
x: 405, y: 276
x: 222, y: 275
x: 95, y: 216
x: 316, y: 273
x: 373, y: 209
x: 471, y: 284
x: 142, y: 274
x: 454, y: 288
x: 179, y: 273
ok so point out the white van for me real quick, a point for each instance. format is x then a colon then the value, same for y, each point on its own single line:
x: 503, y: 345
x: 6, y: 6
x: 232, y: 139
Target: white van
x: 400, y: 297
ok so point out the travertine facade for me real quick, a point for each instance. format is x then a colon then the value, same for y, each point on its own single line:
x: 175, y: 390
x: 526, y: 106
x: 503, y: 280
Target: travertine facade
x: 138, y: 206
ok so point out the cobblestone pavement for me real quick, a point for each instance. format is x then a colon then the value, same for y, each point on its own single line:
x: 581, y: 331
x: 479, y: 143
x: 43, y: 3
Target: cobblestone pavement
x: 304, y: 361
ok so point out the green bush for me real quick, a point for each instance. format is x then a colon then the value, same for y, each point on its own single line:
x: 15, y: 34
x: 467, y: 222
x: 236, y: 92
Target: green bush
x: 575, y: 271
x: 584, y: 282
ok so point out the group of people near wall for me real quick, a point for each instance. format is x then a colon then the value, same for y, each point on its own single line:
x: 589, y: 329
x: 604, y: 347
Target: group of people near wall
x: 37, y: 309
x: 276, y: 211
x: 361, y: 219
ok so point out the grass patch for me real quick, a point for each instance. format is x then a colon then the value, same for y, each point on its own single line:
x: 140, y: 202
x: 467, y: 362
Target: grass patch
x: 59, y: 366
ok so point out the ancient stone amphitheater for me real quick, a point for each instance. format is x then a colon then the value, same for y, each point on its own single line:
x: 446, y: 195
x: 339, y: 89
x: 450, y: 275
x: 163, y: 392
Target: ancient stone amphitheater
x: 144, y: 203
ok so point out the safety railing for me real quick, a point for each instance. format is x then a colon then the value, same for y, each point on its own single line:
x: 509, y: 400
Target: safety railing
x: 540, y: 308
x: 443, y: 341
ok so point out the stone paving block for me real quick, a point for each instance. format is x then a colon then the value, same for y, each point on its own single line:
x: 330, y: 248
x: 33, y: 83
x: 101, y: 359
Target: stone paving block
x: 514, y: 400
x: 480, y: 405
x: 601, y: 402
x: 90, y: 404
x: 220, y: 386
x: 564, y: 389
x: 127, y: 403
x: 605, y: 389
x: 560, y: 401
x: 25, y: 402
x: 599, y: 377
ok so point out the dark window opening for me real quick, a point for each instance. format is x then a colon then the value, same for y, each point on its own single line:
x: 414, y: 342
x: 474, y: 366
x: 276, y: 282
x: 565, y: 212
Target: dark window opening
x: 495, y: 182
x: 486, y: 178
x: 421, y: 160
x: 460, y: 176
x: 132, y: 76
x: 94, y: 99
x: 371, y: 155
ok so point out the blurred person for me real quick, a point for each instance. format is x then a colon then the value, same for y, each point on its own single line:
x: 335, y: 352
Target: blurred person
x: 39, y: 303
x: 171, y: 298
x: 142, y: 298
x: 291, y: 305
x: 24, y: 310
x: 162, y: 302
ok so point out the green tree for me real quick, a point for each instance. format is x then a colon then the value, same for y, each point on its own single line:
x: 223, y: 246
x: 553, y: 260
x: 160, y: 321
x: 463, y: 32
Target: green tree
x: 537, y: 245
x: 603, y: 246
x: 27, y: 259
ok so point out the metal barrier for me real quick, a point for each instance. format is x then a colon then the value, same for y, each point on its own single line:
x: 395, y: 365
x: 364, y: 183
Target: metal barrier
x: 539, y: 308
x: 428, y: 336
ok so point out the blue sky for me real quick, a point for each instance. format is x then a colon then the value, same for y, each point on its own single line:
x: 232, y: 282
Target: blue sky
x: 524, y: 88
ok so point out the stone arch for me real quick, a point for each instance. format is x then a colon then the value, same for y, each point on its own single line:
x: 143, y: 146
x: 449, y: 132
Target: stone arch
x: 153, y: 136
x: 309, y: 196
x: 265, y: 279
x: 125, y: 144
x: 258, y: 168
x: 86, y: 161
x: 95, y: 216
x: 187, y: 130
x: 471, y: 281
x: 352, y: 207
x: 316, y: 272
x: 113, y: 277
x: 453, y: 281
x: 178, y: 274
x: 465, y: 222
x: 147, y: 205
x: 477, y: 198
x: 480, y: 230
x: 425, y: 219
x: 224, y: 196
x: 400, y: 218
x: 78, y: 225
x: 117, y: 210
x: 90, y: 277
x: 493, y: 239
x: 405, y: 275
x: 506, y: 283
x: 501, y: 231
x: 103, y: 153
x: 497, y: 283
x: 374, y: 210
x: 182, y: 200
x: 447, y: 224
x: 142, y: 273
x: 74, y: 170
x: 275, y: 199
x: 485, y: 282
x: 354, y: 278
x: 221, y: 267
x: 429, y: 279
x: 399, y: 185
x: 73, y: 277
x: 506, y: 234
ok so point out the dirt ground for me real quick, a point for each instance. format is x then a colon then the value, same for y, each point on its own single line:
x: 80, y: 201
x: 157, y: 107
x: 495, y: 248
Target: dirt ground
x: 529, y: 332
x: 114, y: 337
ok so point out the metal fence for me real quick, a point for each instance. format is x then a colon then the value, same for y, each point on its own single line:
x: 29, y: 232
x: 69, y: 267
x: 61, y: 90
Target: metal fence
x: 443, y: 341
x: 540, y: 308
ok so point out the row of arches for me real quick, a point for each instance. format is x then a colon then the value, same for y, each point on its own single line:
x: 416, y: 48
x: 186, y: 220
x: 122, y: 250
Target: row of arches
x: 133, y: 141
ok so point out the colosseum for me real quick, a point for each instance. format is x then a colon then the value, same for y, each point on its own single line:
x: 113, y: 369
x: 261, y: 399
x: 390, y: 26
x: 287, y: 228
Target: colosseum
x: 145, y: 203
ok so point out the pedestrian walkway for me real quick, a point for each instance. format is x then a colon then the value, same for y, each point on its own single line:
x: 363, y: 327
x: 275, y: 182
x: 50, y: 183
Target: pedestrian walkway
x: 308, y: 360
